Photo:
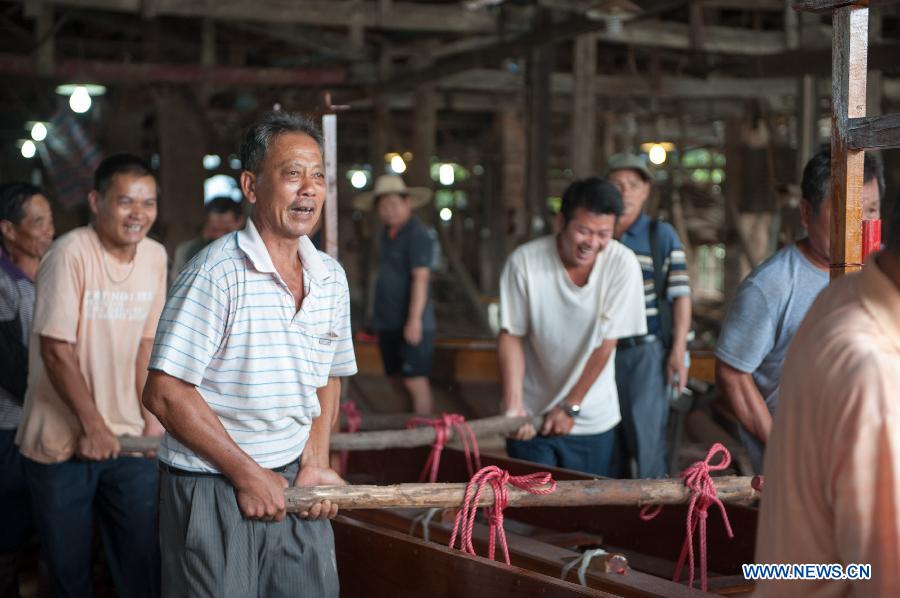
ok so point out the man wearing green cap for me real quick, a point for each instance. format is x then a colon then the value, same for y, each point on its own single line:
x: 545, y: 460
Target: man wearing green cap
x: 651, y: 366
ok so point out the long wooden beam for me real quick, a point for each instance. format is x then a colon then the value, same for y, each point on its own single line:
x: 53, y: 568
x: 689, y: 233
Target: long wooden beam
x: 874, y: 132
x: 377, y: 440
x: 103, y: 71
x: 576, y: 493
x: 402, y: 16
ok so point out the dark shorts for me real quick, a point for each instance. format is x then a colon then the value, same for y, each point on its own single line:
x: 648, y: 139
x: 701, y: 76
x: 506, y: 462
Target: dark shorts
x: 402, y: 359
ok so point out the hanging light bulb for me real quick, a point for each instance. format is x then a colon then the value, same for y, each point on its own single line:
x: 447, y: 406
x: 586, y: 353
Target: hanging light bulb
x: 358, y: 179
x: 39, y: 131
x: 29, y: 149
x: 398, y: 165
x: 657, y: 154
x: 80, y: 100
x: 446, y: 175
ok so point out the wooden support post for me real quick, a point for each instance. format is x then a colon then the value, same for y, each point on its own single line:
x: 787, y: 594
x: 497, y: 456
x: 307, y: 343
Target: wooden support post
x: 424, y: 136
x: 330, y: 226
x: 513, y: 152
x: 848, y: 89
x: 584, y: 107
x: 540, y: 67
x: 45, y: 39
x: 807, y: 121
x: 182, y: 144
x: 568, y: 493
x: 208, y: 43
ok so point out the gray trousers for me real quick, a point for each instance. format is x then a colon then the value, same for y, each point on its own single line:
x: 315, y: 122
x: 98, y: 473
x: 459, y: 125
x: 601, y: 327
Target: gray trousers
x: 641, y: 382
x: 210, y: 550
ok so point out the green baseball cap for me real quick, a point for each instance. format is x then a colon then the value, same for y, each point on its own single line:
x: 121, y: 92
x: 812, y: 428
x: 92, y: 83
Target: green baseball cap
x: 630, y: 162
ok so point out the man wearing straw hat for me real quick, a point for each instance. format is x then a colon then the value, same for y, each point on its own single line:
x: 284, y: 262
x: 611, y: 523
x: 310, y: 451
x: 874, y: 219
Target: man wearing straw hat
x: 404, y: 315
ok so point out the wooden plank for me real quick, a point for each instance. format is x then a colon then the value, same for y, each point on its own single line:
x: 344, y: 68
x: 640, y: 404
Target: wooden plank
x: 543, y: 558
x: 330, y: 211
x: 584, y: 106
x: 568, y: 493
x: 103, y: 71
x: 619, y: 526
x: 402, y: 16
x: 826, y: 5
x: 874, y: 132
x: 848, y: 89
x: 539, y: 69
x: 381, y: 563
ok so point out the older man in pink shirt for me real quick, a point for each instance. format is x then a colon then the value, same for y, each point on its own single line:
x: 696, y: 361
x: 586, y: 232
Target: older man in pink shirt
x: 833, y: 462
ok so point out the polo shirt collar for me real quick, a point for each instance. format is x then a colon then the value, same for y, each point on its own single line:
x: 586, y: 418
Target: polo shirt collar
x: 11, y: 269
x: 639, y: 225
x: 881, y: 298
x: 252, y: 245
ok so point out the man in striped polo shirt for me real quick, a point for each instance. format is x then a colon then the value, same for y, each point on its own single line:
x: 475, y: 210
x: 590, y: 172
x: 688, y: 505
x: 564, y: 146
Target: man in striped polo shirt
x: 245, y: 377
x: 648, y: 366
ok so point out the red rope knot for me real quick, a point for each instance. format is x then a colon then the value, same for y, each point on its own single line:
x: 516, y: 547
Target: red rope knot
x: 442, y: 427
x: 498, y: 479
x: 354, y: 422
x: 703, y: 496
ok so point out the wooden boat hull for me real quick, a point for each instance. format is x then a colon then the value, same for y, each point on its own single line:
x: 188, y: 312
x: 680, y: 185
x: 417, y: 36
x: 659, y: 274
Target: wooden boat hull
x: 651, y: 547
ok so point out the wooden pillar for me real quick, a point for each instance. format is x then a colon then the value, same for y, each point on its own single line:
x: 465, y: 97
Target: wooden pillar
x: 848, y: 90
x: 182, y: 144
x: 512, y: 149
x: 208, y: 43
x: 539, y: 70
x: 330, y: 226
x: 733, y: 173
x: 807, y: 122
x: 424, y: 133
x: 584, y: 107
x: 44, y: 38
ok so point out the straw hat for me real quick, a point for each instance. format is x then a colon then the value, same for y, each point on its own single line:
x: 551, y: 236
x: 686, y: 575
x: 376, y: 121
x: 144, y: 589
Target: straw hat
x: 391, y: 183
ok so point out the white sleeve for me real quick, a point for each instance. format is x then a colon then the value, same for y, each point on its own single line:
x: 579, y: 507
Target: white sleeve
x: 622, y: 305
x: 513, y: 298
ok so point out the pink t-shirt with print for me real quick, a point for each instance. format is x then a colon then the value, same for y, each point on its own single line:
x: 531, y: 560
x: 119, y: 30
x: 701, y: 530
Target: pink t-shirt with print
x: 104, y: 308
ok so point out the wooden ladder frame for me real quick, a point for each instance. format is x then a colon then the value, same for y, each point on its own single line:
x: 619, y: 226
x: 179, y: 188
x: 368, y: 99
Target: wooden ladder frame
x: 852, y: 132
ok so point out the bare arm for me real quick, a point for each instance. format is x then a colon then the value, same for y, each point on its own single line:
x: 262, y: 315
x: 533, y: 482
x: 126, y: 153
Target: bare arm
x: 511, y: 354
x: 745, y: 400
x: 315, y: 468
x: 418, y: 297
x: 152, y: 427
x: 681, y: 325
x: 556, y: 421
x: 188, y: 418
x: 61, y: 362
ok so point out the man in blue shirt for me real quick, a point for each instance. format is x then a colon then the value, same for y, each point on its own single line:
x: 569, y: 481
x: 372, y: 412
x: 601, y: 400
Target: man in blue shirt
x: 647, y: 365
x: 772, y: 301
x: 404, y: 315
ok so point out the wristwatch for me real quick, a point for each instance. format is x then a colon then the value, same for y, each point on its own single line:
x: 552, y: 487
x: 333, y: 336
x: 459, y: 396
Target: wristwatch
x: 570, y: 409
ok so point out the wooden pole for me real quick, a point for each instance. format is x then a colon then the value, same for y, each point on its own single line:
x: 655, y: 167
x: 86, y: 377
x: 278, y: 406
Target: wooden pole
x: 361, y: 441
x: 578, y: 493
x: 848, y: 89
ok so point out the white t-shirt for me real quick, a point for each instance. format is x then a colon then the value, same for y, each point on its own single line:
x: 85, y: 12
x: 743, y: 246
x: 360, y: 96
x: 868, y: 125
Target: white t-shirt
x: 563, y: 323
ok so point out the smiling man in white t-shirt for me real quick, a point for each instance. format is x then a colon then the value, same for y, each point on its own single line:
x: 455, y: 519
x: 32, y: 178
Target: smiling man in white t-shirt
x: 565, y: 300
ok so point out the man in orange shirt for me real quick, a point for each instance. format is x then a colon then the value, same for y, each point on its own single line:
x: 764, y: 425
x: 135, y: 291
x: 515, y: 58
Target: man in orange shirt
x: 832, y: 463
x: 100, y: 290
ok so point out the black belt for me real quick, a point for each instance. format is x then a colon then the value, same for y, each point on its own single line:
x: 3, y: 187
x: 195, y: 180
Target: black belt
x: 634, y: 341
x: 208, y: 474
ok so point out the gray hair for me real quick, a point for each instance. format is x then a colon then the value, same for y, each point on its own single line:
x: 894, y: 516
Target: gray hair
x: 256, y: 140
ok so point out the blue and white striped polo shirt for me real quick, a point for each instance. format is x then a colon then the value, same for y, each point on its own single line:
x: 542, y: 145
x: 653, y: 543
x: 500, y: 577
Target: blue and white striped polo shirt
x: 231, y: 329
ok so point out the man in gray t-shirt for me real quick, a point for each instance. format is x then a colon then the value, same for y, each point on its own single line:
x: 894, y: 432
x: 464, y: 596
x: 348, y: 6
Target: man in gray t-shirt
x: 770, y: 305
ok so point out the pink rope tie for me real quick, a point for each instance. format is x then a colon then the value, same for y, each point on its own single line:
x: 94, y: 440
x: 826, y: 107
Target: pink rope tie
x: 354, y: 422
x: 442, y: 426
x: 535, y: 483
x: 703, y: 496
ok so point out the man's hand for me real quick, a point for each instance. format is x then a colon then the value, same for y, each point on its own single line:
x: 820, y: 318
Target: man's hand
x: 557, y: 423
x: 311, y: 475
x: 412, y: 332
x: 261, y: 495
x: 97, y: 444
x: 525, y: 431
x: 676, y: 366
